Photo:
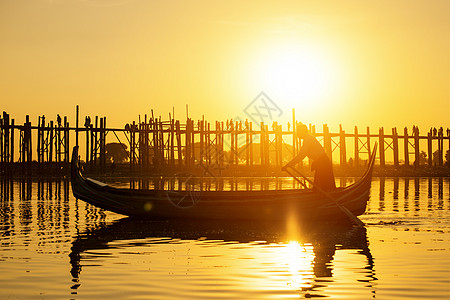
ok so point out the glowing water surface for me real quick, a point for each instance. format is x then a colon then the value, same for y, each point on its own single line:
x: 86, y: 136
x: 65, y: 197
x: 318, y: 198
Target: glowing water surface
x: 56, y: 247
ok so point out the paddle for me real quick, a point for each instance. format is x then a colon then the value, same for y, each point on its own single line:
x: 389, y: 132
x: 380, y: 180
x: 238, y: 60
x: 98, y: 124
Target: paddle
x: 335, y: 201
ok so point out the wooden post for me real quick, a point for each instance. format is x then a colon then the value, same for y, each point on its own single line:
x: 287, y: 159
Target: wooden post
x: 209, y: 146
x: 214, y: 144
x: 156, y: 141
x: 40, y: 141
x: 416, y: 146
x: 441, y: 146
x: 58, y: 141
x: 232, y: 150
x: 2, y: 141
x: 294, y: 134
x: 343, y: 154
x: 298, y: 147
x: 172, y: 142
x: 22, y: 147
x: 66, y: 140
x: 275, y: 131
x: 381, y: 143
x: 144, y: 146
x: 327, y: 141
x: 188, y: 143
x: 220, y: 146
x: 39, y: 146
x: 103, y: 145
x: 50, y: 143
x: 159, y: 149
x: 179, y: 152
x: 448, y: 158
x: 406, y: 146
x: 368, y: 140
x: 247, y: 144
x: 76, y: 125
x: 193, y: 143
x: 251, y: 142
x: 312, y: 130
x: 280, y: 146
x: 26, y: 147
x: 129, y: 127
x: 395, y: 145
x: 266, y: 146
x: 237, y: 128
x: 95, y: 143
x: 133, y: 145
x: 141, y: 144
x: 162, y: 143
x: 100, y: 143
x: 3, y: 166
x: 356, y: 139
x: 7, y: 144
x: 12, y: 142
x: 86, y: 125
x: 430, y: 147
x: 29, y: 142
x: 262, y: 142
x: 201, y: 130
x: 92, y: 146
x: 44, y: 141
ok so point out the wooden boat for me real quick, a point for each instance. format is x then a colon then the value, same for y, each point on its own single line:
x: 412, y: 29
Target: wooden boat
x: 264, y: 205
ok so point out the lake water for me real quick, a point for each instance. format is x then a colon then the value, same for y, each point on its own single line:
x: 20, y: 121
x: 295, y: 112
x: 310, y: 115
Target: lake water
x: 56, y: 247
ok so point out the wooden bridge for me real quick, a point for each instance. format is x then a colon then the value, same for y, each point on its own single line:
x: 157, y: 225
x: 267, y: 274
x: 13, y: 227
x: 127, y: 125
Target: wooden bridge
x: 154, y: 144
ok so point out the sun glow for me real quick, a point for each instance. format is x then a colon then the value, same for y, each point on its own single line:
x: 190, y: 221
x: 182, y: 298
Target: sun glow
x: 299, y: 76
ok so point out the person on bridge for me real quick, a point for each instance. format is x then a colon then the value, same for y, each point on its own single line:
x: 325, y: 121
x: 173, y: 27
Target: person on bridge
x: 321, y: 165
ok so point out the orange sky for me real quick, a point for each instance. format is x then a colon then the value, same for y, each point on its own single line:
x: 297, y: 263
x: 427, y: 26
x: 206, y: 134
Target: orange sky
x: 380, y: 63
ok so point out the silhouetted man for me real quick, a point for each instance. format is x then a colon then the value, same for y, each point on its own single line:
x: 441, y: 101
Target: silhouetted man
x: 322, y: 166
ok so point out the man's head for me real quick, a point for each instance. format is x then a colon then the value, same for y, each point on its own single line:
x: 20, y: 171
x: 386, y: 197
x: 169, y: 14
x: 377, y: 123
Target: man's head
x: 302, y: 130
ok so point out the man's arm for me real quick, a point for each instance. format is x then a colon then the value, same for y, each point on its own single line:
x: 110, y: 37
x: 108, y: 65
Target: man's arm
x: 300, y: 156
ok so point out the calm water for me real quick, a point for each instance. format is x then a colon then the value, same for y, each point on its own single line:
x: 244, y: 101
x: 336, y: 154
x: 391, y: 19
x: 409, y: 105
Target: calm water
x: 56, y: 247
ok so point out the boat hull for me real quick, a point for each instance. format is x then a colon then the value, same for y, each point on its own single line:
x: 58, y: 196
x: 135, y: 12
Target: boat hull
x: 223, y: 205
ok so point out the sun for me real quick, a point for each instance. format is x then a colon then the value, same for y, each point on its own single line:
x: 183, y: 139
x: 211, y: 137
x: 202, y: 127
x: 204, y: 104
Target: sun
x: 299, y: 76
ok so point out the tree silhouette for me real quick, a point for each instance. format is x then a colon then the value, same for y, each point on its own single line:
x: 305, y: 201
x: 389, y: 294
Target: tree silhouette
x: 116, y: 152
x: 436, y: 158
x: 422, y: 158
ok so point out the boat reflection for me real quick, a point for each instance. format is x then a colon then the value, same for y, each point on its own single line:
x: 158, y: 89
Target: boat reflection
x: 308, y: 260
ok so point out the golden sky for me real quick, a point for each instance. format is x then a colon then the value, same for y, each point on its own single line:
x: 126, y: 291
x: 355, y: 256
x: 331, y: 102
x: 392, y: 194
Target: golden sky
x: 365, y: 63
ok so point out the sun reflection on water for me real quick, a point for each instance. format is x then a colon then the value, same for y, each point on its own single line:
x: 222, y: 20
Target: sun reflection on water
x: 299, y: 259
